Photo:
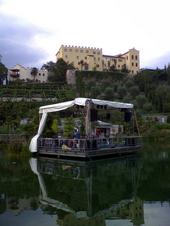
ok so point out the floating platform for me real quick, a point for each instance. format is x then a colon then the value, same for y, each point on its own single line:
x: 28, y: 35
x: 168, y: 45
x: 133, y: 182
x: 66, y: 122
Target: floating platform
x: 88, y: 148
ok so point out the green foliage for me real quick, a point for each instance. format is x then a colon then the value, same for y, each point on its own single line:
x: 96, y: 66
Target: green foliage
x: 149, y: 91
x: 133, y: 90
x: 141, y: 100
x: 122, y: 92
x: 68, y: 127
x: 57, y: 71
x: 5, y: 129
x: 55, y: 126
x: 34, y: 72
x: 158, y: 132
x: 108, y: 93
x: 162, y: 126
x: 3, y: 69
x: 147, y: 107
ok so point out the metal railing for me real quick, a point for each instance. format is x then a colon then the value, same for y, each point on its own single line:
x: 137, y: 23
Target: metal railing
x: 86, y: 145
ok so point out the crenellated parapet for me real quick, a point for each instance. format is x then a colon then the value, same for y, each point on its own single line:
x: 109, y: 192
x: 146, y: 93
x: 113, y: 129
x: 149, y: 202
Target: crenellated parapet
x: 80, y: 47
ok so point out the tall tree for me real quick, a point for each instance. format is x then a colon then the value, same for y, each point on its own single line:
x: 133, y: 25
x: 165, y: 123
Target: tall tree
x: 3, y: 73
x: 49, y: 66
x: 57, y: 71
x: 34, y: 72
x: 3, y: 69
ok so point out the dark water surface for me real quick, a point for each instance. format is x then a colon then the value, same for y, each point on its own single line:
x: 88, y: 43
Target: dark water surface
x: 126, y: 191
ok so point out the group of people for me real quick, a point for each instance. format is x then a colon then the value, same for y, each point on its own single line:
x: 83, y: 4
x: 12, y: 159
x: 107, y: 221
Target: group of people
x: 74, y: 143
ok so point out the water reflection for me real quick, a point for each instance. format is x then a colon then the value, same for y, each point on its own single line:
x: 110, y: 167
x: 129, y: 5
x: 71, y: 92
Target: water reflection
x: 90, y: 193
x: 133, y: 191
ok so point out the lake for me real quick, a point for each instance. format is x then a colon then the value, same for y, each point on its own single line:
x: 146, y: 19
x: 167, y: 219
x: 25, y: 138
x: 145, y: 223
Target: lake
x: 122, y: 191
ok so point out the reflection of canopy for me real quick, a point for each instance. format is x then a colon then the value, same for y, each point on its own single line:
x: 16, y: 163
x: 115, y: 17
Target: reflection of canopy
x: 82, y: 102
x: 45, y: 198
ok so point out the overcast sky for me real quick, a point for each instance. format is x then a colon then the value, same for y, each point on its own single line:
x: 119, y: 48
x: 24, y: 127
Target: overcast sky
x: 31, y: 31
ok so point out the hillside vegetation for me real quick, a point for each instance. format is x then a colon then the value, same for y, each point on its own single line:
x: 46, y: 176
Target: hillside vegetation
x: 149, y: 91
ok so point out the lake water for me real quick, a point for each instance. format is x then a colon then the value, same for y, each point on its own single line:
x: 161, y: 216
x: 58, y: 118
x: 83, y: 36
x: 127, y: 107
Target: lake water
x: 126, y: 191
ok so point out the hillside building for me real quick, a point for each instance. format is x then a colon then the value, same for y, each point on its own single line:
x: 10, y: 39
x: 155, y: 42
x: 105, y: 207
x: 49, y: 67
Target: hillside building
x: 89, y: 59
x: 25, y: 74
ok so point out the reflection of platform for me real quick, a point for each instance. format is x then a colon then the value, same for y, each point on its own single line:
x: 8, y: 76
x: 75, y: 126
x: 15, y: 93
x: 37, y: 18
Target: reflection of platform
x: 85, y: 191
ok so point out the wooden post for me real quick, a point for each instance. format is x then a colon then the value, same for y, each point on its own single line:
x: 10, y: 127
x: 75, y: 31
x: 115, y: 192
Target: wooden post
x: 136, y: 122
x: 87, y: 118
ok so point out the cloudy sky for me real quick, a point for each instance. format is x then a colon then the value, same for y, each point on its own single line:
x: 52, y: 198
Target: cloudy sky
x: 31, y: 31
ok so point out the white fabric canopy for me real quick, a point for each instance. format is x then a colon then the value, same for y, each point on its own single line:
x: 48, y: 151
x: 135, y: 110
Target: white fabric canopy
x: 64, y: 105
x: 82, y: 102
x: 33, y: 144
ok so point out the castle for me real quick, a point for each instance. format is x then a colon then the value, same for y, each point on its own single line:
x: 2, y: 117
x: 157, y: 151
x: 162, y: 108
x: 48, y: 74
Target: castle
x: 89, y: 59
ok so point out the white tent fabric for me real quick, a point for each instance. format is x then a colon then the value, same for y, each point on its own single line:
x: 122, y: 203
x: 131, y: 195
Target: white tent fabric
x: 82, y: 102
x: 64, y: 105
x: 56, y: 107
x: 33, y: 144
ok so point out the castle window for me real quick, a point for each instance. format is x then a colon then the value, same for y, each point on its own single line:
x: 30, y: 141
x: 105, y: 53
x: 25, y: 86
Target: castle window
x: 132, y: 71
x: 132, y: 64
x: 87, y: 51
x: 132, y: 57
x: 65, y: 56
x: 136, y: 57
x: 77, y: 57
x: 94, y: 52
x: 120, y: 60
x: 39, y: 74
x: 85, y: 58
x: 136, y: 64
x: 118, y: 66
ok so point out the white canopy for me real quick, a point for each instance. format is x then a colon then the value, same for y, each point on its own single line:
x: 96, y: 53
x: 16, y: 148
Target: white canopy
x: 64, y: 105
x: 82, y: 102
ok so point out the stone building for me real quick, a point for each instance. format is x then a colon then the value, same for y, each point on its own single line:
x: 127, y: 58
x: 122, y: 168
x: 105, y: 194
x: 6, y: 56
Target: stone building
x: 26, y: 75
x: 89, y: 59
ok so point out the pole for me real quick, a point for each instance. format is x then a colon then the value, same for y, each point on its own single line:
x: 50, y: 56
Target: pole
x: 136, y: 123
x: 87, y: 118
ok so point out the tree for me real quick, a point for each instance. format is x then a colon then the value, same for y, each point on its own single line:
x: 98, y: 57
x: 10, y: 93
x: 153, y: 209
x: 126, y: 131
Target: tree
x: 3, y: 69
x: 112, y: 68
x: 55, y: 126
x: 49, y: 66
x: 57, y: 71
x: 147, y: 107
x: 122, y: 92
x: 34, y: 72
x: 108, y: 93
x: 81, y: 63
x: 68, y: 127
x: 3, y: 72
x: 141, y: 100
x: 124, y: 69
x: 134, y: 90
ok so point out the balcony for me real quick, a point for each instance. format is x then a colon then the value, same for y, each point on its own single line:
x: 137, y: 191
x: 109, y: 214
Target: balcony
x: 14, y: 73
